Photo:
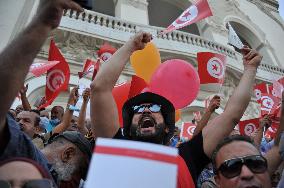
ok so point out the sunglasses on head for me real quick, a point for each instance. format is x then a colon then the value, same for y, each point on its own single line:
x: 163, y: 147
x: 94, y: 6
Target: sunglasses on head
x: 233, y: 167
x: 42, y: 183
x: 152, y: 107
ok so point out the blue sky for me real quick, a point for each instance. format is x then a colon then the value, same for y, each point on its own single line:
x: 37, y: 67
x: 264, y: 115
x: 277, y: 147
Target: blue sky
x: 281, y: 9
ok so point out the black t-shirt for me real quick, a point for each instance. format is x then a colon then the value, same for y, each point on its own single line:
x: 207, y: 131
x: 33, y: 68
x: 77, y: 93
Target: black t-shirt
x: 191, y: 151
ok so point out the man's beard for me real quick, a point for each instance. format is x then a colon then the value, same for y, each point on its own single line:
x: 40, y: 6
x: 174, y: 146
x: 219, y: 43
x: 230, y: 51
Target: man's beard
x: 64, y: 170
x: 157, y: 136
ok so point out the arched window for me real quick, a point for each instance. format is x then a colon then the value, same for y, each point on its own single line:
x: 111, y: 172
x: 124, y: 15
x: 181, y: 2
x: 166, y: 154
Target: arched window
x: 162, y: 13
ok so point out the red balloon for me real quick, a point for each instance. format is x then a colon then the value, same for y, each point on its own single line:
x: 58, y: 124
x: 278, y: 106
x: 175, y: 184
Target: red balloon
x: 176, y: 80
x: 120, y: 94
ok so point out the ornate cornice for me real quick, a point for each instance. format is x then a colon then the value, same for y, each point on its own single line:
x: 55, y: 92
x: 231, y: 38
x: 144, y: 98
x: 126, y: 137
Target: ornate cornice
x: 267, y: 10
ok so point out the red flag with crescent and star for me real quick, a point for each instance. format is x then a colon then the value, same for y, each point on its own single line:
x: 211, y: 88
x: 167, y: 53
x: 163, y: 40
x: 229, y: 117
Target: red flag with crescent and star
x: 106, y: 51
x: 259, y: 89
x: 57, y: 78
x: 211, y: 67
x: 249, y: 127
x: 88, y: 68
x: 187, y: 130
x: 269, y: 104
x: 197, y: 11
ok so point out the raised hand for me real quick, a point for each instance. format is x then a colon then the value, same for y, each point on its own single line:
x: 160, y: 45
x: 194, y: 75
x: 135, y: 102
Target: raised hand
x: 24, y: 89
x: 265, y: 122
x: 74, y: 96
x: 50, y: 12
x: 139, y: 41
x: 86, y: 94
x: 214, y: 103
x: 251, y: 58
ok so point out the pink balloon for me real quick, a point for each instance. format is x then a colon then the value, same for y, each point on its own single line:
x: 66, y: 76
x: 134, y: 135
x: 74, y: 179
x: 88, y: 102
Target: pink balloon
x: 176, y: 80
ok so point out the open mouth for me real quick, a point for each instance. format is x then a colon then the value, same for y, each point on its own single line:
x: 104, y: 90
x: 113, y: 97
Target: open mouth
x: 147, y: 123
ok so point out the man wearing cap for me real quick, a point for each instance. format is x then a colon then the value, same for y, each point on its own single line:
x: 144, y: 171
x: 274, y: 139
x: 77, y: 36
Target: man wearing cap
x: 69, y: 153
x: 150, y: 117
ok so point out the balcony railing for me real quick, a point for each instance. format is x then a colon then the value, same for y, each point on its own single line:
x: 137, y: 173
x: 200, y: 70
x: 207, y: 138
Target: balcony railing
x: 101, y: 25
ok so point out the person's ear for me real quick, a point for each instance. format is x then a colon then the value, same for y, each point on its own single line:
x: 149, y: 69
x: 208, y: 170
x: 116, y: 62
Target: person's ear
x: 68, y: 153
x: 167, y: 130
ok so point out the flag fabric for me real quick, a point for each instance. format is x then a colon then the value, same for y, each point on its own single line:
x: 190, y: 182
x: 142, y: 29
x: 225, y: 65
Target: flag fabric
x: 269, y: 104
x: 197, y: 115
x: 259, y: 89
x: 211, y: 67
x: 137, y: 86
x: 120, y: 94
x: 249, y: 127
x: 196, y: 12
x: 277, y: 89
x: 270, y: 133
x: 106, y: 51
x: 187, y: 130
x: 57, y: 78
x: 88, y: 68
x: 96, y: 68
x: 41, y: 66
x: 233, y: 38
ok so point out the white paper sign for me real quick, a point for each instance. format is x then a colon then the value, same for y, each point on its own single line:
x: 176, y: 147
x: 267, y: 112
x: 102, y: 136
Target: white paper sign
x: 234, y: 39
x: 130, y: 164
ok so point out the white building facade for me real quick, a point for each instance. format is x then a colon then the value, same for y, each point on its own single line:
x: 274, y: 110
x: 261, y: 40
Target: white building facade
x: 257, y: 22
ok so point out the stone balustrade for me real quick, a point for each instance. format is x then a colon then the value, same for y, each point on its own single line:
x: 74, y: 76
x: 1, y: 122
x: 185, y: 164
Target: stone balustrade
x: 81, y: 22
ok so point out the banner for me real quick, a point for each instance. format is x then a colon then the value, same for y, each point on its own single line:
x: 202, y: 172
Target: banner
x: 196, y: 12
x: 144, y: 165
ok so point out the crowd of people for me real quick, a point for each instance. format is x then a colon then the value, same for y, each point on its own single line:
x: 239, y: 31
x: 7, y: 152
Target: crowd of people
x: 44, y: 149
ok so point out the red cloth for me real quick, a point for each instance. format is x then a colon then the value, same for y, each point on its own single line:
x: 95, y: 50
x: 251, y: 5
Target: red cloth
x: 248, y: 127
x: 184, y: 177
x: 187, y: 130
x: 57, y: 78
x: 88, y: 68
x: 211, y: 67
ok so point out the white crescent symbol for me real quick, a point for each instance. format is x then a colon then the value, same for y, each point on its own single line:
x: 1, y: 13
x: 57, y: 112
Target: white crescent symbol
x: 187, y: 16
x: 105, y: 56
x: 249, y: 129
x: 91, y: 68
x: 55, y: 79
x: 215, y: 68
x: 267, y: 103
x: 190, y: 130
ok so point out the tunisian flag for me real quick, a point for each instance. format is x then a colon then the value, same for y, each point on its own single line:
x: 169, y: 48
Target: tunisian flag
x: 106, y: 51
x: 269, y: 104
x: 40, y: 67
x: 259, y: 89
x: 187, y: 130
x: 211, y: 67
x: 57, y: 78
x: 249, y: 127
x: 197, y: 11
x: 88, y: 68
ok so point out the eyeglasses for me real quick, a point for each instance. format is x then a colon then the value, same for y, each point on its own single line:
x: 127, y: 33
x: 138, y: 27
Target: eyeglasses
x: 152, y: 107
x: 42, y: 183
x: 233, y: 167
